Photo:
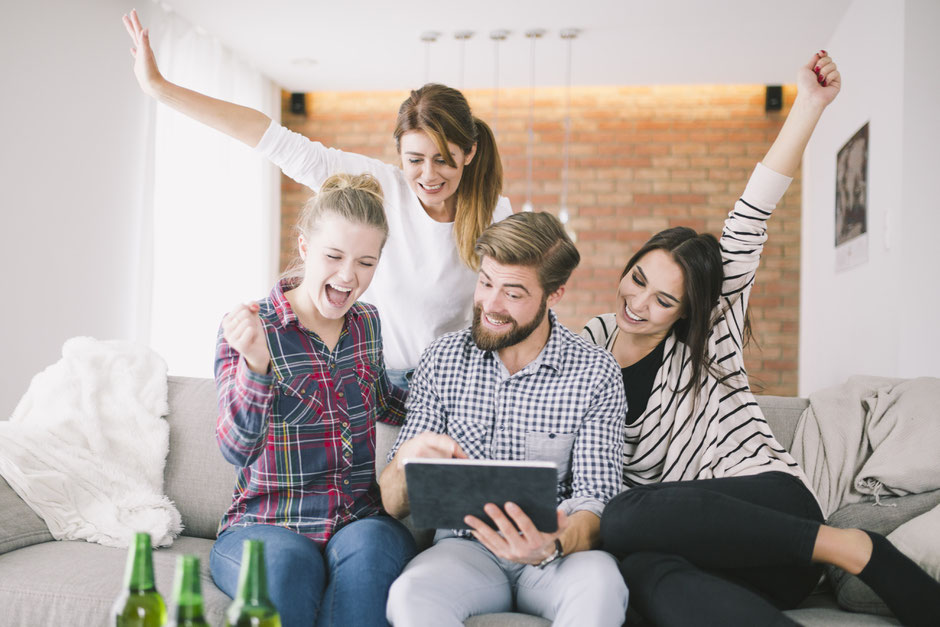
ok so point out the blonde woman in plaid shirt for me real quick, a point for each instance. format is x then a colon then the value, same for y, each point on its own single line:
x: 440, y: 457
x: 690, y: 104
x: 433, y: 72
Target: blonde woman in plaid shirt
x: 301, y: 382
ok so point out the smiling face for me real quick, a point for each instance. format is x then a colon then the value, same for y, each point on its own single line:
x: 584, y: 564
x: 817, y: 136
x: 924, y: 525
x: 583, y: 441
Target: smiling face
x: 508, y: 305
x: 650, y: 295
x: 340, y: 257
x: 428, y: 175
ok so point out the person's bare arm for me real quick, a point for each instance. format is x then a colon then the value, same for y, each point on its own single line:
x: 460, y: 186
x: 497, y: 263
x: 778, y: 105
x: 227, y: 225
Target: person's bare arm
x: 243, y: 123
x: 818, y: 83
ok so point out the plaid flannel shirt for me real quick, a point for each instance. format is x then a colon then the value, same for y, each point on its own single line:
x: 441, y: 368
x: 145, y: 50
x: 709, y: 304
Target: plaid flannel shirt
x: 304, y: 434
x: 567, y: 406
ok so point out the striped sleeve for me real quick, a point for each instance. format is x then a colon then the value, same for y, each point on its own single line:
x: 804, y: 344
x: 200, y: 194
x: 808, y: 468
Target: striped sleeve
x: 745, y: 230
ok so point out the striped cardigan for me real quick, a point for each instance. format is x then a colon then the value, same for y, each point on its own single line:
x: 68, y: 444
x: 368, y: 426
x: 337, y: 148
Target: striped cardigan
x: 727, y: 435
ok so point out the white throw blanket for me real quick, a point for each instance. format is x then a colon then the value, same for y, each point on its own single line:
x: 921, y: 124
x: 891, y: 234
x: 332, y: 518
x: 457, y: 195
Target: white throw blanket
x: 86, y: 445
x: 870, y: 436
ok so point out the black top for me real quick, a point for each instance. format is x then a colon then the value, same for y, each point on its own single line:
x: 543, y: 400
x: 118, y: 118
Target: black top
x: 638, y: 382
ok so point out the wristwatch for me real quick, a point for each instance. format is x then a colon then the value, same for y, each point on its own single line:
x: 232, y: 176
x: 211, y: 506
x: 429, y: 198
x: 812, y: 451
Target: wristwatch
x: 558, y: 552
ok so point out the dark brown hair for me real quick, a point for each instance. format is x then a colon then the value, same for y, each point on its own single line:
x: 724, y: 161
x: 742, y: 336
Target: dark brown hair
x: 699, y: 257
x: 444, y: 114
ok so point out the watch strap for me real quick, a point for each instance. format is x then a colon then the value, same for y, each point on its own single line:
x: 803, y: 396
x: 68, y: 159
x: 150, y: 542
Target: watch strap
x: 558, y: 552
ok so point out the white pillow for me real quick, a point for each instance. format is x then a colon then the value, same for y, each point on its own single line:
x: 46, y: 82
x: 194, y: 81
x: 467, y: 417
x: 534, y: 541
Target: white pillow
x: 919, y: 539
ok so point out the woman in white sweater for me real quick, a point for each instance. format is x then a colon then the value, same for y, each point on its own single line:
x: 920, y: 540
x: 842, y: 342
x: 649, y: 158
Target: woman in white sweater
x: 438, y: 202
x: 717, y: 524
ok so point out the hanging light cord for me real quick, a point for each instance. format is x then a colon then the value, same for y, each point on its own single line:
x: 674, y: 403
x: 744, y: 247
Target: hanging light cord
x: 530, y: 149
x: 567, y: 148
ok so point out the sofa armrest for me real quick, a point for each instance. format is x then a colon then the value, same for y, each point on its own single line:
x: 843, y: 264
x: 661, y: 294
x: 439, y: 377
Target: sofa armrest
x: 20, y: 526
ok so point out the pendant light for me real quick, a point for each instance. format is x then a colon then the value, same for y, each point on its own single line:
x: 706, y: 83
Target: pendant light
x: 428, y: 37
x: 569, y: 35
x: 533, y: 36
x: 497, y: 36
x: 462, y: 36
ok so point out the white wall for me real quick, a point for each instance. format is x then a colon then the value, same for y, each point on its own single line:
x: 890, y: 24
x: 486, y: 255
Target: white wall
x: 919, y: 342
x: 71, y: 123
x: 877, y: 318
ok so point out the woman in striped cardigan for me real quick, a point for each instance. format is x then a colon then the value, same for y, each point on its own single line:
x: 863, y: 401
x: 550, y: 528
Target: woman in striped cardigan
x: 717, y: 524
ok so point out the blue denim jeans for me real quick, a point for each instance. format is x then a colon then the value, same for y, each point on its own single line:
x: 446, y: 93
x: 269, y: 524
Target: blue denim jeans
x: 401, y: 378
x: 345, y: 584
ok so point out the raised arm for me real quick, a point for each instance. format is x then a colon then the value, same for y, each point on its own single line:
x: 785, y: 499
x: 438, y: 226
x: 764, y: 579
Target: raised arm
x: 745, y: 230
x: 818, y: 83
x: 243, y: 123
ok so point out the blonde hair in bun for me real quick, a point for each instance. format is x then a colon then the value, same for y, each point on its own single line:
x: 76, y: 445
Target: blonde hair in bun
x: 355, y: 197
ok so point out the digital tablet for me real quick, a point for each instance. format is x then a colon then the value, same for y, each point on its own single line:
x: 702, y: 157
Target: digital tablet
x: 442, y: 491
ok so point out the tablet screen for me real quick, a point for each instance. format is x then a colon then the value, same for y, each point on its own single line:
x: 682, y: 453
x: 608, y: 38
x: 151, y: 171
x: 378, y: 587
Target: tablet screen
x: 442, y: 491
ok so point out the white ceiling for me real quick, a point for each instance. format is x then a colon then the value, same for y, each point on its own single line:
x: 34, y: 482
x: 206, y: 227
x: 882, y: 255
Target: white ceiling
x: 376, y: 45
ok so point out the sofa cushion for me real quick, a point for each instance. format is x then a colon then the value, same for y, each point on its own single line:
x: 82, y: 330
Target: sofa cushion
x: 919, y: 539
x: 782, y: 414
x: 75, y: 583
x: 893, y: 512
x: 20, y: 526
x: 197, y: 478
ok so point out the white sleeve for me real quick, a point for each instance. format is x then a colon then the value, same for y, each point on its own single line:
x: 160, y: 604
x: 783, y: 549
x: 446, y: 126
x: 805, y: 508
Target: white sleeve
x: 309, y: 162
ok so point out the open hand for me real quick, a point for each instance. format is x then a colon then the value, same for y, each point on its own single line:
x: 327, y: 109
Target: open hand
x: 243, y: 330
x: 145, y: 63
x: 521, y: 542
x: 819, y: 80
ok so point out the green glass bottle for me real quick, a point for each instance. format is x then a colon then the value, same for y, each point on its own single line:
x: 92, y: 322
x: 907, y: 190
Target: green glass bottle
x: 187, y: 594
x: 252, y: 607
x: 139, y: 604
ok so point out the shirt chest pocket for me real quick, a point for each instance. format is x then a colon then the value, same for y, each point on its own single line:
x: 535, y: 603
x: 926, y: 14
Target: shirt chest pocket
x: 551, y: 447
x: 299, y: 400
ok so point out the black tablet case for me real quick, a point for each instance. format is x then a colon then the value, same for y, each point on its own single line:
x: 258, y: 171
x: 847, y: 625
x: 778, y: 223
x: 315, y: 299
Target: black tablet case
x: 442, y: 491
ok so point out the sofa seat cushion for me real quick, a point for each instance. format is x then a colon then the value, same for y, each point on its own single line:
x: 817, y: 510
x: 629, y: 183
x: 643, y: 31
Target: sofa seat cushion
x: 75, y: 583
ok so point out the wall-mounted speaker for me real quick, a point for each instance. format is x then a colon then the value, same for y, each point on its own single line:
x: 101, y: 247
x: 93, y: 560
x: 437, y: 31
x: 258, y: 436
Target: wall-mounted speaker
x: 774, y: 98
x: 298, y: 103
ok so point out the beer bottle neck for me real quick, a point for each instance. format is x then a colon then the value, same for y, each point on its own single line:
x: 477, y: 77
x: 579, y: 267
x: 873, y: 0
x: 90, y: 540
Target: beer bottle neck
x: 252, y: 581
x: 139, y: 573
x: 188, y: 589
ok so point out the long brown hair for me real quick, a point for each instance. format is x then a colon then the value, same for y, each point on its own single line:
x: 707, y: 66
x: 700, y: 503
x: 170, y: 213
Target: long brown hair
x: 444, y: 114
x: 699, y: 257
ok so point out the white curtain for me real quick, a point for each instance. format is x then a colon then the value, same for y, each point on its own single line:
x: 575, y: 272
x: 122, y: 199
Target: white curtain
x: 215, y: 203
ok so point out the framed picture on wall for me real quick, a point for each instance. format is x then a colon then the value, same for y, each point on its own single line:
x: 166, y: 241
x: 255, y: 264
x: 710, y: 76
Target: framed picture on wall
x: 852, y: 201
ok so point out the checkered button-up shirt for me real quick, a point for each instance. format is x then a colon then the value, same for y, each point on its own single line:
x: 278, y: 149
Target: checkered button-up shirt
x: 567, y: 406
x: 304, y: 435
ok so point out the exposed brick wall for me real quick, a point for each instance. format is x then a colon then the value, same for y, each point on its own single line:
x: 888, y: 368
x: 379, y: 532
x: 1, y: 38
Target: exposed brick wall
x: 641, y: 159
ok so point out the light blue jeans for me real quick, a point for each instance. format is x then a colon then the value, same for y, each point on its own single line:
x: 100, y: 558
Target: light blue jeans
x: 401, y: 378
x: 346, y: 584
x: 458, y: 578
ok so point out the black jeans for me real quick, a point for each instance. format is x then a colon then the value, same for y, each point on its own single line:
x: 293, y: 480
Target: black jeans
x: 731, y: 551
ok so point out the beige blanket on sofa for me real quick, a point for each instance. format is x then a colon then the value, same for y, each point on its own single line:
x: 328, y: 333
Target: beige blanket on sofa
x: 870, y: 436
x: 86, y: 446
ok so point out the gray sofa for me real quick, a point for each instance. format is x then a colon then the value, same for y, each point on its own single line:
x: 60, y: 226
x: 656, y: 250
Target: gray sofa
x: 44, y: 582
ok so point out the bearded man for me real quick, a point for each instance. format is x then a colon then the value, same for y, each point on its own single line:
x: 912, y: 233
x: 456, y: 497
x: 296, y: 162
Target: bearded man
x: 517, y: 385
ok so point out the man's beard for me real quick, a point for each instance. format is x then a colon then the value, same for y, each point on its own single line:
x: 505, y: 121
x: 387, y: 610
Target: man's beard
x: 489, y: 341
